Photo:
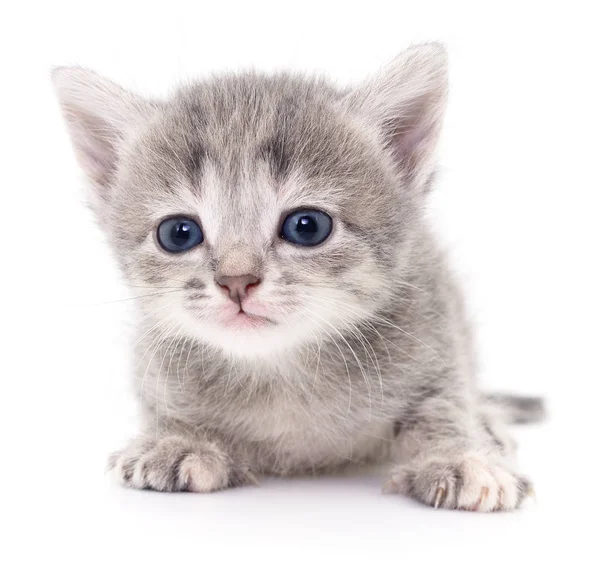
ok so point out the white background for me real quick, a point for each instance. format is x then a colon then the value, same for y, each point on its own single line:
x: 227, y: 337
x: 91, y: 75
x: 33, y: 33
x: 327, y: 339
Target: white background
x: 518, y: 204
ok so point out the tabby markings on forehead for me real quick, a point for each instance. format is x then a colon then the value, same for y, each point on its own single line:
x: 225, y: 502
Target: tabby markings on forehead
x: 274, y: 152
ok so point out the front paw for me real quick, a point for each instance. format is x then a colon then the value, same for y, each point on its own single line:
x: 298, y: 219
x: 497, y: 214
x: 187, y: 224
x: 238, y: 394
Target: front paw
x: 472, y: 483
x: 176, y: 463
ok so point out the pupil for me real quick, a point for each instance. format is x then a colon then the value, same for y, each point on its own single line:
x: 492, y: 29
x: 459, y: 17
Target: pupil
x: 306, y: 225
x: 182, y: 232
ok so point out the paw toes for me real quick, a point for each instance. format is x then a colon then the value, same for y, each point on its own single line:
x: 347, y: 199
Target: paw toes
x: 512, y: 489
x: 177, y: 464
x: 473, y: 484
x: 479, y: 490
x: 126, y: 469
x: 198, y: 475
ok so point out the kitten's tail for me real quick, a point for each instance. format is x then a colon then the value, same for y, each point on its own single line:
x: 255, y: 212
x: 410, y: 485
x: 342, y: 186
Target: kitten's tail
x: 517, y: 409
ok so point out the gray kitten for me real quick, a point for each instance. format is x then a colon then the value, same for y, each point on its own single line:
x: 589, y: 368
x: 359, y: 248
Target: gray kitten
x: 295, y: 314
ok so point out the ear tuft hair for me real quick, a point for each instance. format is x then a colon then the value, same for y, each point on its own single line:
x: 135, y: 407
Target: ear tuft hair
x: 406, y: 102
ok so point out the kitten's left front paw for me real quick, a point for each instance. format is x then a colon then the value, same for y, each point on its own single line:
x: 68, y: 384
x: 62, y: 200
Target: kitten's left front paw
x: 472, y: 483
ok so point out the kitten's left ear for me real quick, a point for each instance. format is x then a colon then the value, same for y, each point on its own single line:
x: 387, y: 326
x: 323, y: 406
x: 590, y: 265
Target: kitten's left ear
x: 99, y: 116
x: 405, y: 103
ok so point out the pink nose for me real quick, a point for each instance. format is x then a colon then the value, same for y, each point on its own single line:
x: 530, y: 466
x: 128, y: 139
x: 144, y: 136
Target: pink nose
x: 238, y: 286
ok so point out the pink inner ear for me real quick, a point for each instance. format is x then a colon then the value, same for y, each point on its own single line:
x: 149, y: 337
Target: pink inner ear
x: 405, y: 143
x: 409, y: 146
x: 94, y: 146
x: 414, y: 134
x: 97, y: 168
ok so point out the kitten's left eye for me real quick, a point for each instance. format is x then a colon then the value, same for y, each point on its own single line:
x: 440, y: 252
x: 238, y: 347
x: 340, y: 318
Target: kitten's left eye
x: 179, y: 234
x: 306, y: 227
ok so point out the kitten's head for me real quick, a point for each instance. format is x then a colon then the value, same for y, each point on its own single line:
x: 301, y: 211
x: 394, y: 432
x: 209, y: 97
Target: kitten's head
x: 259, y: 213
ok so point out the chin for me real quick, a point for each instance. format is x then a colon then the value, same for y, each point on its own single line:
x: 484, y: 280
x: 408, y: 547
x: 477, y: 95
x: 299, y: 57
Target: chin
x: 250, y: 338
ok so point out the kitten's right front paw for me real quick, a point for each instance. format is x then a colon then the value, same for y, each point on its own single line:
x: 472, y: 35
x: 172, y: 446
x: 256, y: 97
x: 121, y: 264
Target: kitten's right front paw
x: 176, y: 463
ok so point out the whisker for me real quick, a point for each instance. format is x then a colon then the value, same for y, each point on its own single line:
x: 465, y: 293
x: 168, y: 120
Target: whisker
x: 151, y: 329
x: 343, y: 358
x: 360, y: 365
x: 147, y: 315
x: 174, y: 345
x: 134, y: 298
x: 156, y: 343
x: 380, y: 320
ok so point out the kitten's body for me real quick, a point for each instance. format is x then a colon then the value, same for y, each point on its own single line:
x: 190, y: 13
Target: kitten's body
x: 362, y: 352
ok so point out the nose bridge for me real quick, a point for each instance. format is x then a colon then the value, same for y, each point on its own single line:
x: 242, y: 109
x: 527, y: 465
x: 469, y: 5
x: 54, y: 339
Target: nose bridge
x: 240, y: 237
x: 238, y: 260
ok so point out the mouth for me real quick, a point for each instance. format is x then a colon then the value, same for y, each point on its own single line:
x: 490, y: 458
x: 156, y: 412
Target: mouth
x: 245, y: 319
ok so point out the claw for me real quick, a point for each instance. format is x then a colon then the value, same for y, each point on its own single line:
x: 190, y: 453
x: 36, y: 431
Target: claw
x: 500, y: 498
x: 390, y: 487
x: 440, y: 494
x: 531, y: 493
x: 484, y: 494
x: 251, y: 478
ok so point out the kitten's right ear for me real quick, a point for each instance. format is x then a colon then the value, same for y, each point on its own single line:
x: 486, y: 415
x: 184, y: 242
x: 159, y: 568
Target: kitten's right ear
x: 99, y: 115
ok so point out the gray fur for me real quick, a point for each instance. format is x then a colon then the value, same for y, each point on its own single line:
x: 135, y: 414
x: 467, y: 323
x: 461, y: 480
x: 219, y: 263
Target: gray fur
x: 366, y: 356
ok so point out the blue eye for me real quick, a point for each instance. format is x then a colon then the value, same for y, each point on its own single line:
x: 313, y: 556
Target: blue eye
x: 179, y: 234
x: 306, y: 227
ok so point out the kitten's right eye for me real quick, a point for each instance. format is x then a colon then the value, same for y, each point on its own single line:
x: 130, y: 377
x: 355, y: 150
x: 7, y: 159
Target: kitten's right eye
x: 179, y: 234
